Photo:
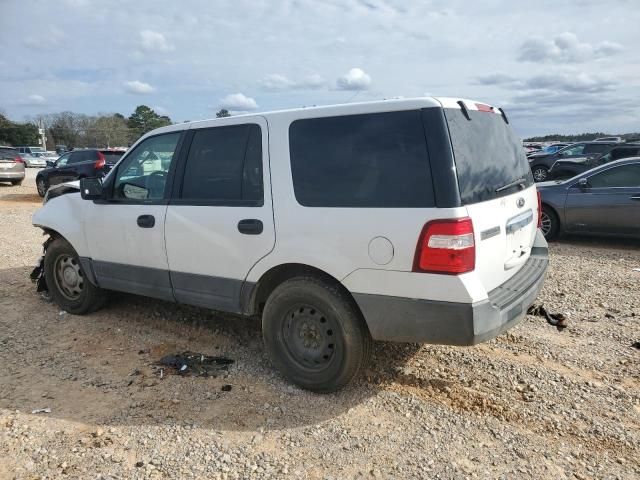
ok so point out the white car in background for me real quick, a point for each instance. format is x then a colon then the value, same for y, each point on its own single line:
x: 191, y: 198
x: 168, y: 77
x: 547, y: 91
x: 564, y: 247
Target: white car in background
x: 35, y: 159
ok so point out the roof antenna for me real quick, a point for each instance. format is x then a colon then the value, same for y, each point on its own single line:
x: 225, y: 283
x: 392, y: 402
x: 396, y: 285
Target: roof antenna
x: 463, y: 107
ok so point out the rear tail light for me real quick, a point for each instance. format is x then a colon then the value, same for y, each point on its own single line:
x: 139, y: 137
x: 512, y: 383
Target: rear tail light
x: 539, y: 209
x: 100, y: 162
x: 446, y: 246
x: 18, y: 159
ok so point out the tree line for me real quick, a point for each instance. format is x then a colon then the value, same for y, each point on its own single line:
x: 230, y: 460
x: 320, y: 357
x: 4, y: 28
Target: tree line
x: 77, y: 130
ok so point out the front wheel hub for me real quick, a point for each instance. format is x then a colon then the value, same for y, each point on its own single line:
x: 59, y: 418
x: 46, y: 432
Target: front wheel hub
x: 310, y: 337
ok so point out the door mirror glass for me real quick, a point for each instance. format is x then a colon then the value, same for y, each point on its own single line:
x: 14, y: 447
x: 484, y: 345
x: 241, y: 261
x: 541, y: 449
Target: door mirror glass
x: 91, y: 188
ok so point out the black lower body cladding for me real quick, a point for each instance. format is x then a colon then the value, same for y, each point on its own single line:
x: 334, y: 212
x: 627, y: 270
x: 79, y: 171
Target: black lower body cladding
x: 424, y: 321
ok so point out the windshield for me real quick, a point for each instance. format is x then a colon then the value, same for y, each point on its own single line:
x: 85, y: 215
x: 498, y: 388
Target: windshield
x: 488, y: 155
x: 37, y: 149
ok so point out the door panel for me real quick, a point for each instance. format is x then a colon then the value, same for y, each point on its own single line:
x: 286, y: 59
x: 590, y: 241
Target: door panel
x: 126, y: 233
x: 209, y: 257
x: 607, y: 204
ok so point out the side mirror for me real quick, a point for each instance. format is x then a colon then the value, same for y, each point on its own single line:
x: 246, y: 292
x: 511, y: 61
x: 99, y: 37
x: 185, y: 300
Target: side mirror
x: 50, y: 163
x: 583, y: 183
x: 91, y: 188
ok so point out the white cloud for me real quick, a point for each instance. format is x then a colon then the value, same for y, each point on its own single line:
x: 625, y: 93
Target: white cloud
x: 565, y: 48
x: 275, y: 82
x: 138, y: 88
x: 238, y: 102
x: 34, y: 100
x: 355, y: 79
x: 154, y: 41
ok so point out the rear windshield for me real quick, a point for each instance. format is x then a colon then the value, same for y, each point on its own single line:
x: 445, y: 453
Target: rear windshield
x: 8, y: 153
x: 488, y: 155
x: 112, y: 157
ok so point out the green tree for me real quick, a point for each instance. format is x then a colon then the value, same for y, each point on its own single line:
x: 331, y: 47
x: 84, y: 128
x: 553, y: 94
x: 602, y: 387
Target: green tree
x: 222, y: 113
x: 12, y: 133
x: 144, y: 119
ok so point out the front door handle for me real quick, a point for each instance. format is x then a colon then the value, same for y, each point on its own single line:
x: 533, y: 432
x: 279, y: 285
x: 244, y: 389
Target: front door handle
x: 146, y: 221
x: 635, y: 197
x: 250, y: 226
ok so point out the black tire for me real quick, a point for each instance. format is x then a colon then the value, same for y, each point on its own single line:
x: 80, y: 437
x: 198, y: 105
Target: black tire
x: 315, y: 334
x: 550, y: 223
x: 16, y: 183
x: 540, y: 173
x: 42, y: 187
x: 78, y: 298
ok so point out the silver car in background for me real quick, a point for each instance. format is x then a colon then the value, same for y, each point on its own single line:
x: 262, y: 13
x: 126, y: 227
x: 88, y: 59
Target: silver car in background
x: 11, y: 166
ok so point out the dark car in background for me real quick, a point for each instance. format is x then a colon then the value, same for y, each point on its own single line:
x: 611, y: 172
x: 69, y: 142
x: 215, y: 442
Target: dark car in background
x: 568, y: 168
x: 11, y: 166
x: 541, y: 163
x: 604, y: 201
x: 89, y: 162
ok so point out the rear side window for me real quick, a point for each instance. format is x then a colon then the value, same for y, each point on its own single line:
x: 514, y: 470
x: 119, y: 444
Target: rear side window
x: 374, y: 160
x: 224, y: 165
x: 488, y: 155
x: 596, y: 148
x: 82, y: 156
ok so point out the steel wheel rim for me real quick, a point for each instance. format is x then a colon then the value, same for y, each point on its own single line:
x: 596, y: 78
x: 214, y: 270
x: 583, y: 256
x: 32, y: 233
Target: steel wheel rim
x: 545, y: 223
x: 41, y: 187
x: 539, y: 174
x: 310, y: 337
x: 68, y: 277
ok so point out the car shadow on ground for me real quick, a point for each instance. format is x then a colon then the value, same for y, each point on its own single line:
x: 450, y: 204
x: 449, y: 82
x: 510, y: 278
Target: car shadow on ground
x: 101, y: 368
x: 20, y: 197
x: 600, y: 242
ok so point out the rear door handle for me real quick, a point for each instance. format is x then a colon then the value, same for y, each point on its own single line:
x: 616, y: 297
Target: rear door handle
x: 250, y: 226
x: 146, y: 221
x: 635, y: 197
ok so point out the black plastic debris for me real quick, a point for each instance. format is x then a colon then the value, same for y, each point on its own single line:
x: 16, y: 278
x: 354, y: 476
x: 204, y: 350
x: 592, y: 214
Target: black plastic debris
x: 558, y: 320
x: 226, y: 388
x: 37, y: 274
x: 196, y: 364
x: 636, y: 345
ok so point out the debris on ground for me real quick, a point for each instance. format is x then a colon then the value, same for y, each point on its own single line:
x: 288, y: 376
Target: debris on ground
x: 226, y: 388
x: 558, y: 320
x: 41, y: 410
x: 636, y: 345
x: 196, y: 364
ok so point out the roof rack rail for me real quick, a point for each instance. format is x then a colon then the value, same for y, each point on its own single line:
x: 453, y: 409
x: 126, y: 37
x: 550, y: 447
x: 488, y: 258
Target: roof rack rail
x: 504, y: 115
x: 463, y: 107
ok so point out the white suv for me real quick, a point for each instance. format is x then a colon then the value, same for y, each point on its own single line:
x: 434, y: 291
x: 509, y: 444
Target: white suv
x: 408, y: 220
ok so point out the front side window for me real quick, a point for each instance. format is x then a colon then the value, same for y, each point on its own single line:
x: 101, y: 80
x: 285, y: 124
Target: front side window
x: 575, y: 150
x: 596, y: 148
x: 624, y: 176
x: 224, y: 165
x: 62, y: 161
x: 376, y: 160
x: 143, y: 173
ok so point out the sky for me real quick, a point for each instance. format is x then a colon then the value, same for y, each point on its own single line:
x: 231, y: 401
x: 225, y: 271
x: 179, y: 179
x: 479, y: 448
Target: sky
x: 555, y: 66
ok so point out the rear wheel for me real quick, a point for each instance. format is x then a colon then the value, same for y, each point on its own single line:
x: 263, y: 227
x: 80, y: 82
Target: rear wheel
x: 41, y: 186
x: 549, y: 223
x: 315, y: 335
x: 67, y: 282
x: 540, y: 174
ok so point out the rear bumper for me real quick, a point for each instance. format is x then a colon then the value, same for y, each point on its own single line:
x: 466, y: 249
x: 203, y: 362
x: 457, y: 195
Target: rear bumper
x: 423, y: 321
x: 9, y: 175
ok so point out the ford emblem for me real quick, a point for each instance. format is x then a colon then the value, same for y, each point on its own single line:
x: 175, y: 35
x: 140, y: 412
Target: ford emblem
x: 520, y: 202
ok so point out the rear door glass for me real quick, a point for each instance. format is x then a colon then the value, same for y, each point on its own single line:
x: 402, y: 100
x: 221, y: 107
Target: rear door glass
x: 376, y: 160
x: 488, y: 155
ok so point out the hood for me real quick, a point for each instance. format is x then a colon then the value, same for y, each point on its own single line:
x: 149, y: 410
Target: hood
x: 62, y: 189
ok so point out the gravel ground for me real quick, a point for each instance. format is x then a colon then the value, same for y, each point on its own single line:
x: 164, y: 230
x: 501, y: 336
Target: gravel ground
x: 533, y: 403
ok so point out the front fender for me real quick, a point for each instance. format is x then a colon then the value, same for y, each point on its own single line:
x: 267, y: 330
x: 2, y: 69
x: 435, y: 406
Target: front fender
x: 65, y: 215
